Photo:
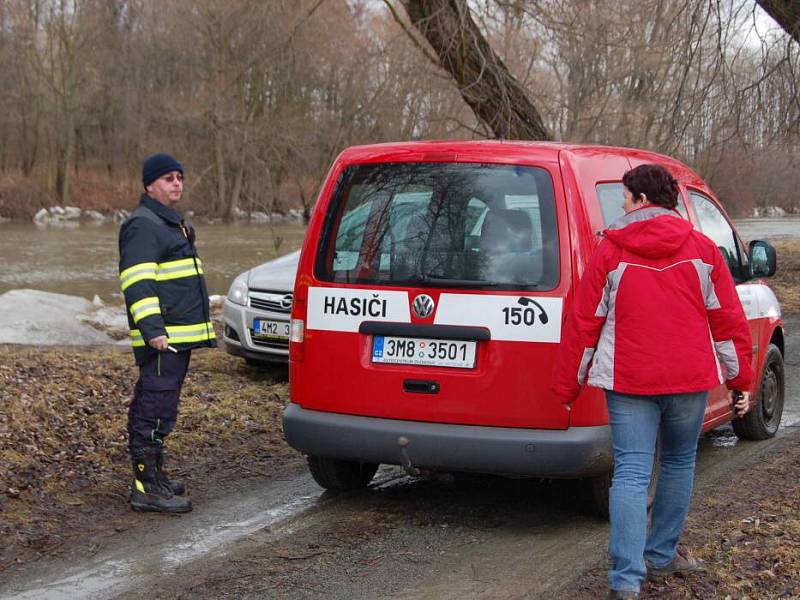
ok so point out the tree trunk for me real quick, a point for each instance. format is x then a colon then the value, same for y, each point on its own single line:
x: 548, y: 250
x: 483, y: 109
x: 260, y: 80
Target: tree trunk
x: 65, y: 157
x: 786, y: 13
x: 217, y: 206
x: 236, y: 191
x: 493, y: 93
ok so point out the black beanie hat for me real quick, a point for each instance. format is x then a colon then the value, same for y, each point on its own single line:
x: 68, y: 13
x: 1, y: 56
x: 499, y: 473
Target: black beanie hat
x: 157, y: 165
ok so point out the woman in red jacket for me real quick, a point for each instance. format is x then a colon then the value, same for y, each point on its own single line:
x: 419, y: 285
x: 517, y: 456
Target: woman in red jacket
x: 656, y: 323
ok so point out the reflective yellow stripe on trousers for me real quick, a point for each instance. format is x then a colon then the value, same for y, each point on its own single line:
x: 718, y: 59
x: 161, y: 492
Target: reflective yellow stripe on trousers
x: 180, y: 334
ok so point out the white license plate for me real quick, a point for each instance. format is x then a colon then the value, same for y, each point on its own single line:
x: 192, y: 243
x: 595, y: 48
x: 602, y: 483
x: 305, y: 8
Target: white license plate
x: 276, y: 330
x: 422, y: 351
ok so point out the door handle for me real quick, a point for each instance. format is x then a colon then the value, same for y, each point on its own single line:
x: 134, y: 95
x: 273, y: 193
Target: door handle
x: 421, y: 386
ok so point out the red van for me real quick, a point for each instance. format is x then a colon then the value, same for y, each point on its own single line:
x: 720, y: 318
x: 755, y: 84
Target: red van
x: 429, y: 301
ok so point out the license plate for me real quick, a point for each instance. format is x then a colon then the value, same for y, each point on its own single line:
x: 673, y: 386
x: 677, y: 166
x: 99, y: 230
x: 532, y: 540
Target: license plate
x: 424, y: 352
x: 276, y: 330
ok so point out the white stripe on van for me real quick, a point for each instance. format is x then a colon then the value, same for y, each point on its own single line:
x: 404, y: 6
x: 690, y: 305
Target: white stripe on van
x: 340, y: 309
x: 516, y: 318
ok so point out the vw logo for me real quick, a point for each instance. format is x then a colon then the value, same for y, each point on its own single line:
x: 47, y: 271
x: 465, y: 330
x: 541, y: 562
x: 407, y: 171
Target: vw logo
x: 423, y: 306
x: 286, y: 301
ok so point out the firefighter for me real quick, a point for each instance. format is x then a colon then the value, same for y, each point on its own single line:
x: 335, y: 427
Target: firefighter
x: 161, y: 277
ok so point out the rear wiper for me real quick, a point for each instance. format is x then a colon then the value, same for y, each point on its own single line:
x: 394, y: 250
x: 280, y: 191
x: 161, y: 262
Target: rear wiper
x: 459, y: 282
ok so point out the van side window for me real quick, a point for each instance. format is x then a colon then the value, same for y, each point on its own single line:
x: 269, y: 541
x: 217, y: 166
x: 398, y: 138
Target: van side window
x: 714, y: 224
x: 611, y: 197
x: 469, y: 225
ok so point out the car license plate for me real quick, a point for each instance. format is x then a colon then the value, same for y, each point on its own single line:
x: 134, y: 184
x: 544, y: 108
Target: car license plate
x: 276, y: 330
x: 422, y: 351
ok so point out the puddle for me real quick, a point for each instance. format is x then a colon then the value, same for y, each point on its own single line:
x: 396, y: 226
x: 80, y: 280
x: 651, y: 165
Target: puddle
x: 722, y: 437
x: 727, y: 441
x: 209, y: 538
x: 142, y: 556
x: 136, y: 557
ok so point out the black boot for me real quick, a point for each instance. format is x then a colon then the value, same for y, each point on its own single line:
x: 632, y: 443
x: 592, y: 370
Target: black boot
x: 175, y: 485
x: 148, y: 492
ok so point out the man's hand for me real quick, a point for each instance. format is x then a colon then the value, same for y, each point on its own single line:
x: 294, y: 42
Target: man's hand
x: 160, y: 343
x: 739, y: 402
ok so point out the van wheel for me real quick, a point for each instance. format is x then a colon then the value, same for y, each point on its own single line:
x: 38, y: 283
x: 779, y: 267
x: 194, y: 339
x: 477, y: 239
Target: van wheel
x: 763, y: 420
x: 340, y: 475
x: 601, y: 486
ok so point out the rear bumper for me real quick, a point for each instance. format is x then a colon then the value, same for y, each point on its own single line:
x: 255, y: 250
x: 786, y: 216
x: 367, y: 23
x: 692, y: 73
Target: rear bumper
x: 573, y: 452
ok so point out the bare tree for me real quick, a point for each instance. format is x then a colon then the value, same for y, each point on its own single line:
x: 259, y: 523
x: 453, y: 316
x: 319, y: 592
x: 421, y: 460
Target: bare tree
x: 258, y: 97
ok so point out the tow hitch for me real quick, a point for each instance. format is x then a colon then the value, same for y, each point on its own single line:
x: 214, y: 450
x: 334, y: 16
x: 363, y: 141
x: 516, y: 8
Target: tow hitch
x: 405, y: 459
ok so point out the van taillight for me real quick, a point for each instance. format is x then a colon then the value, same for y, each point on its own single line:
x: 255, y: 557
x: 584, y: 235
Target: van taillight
x: 297, y: 329
x: 296, y: 335
x: 297, y: 324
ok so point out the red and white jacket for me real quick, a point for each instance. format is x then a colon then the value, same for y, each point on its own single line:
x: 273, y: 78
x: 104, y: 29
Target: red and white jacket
x: 656, y: 312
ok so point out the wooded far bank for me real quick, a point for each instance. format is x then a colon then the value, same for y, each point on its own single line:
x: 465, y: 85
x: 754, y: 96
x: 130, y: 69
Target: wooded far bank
x: 257, y: 97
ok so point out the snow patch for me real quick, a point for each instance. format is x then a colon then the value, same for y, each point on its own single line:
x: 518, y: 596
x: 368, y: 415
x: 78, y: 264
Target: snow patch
x: 45, y: 318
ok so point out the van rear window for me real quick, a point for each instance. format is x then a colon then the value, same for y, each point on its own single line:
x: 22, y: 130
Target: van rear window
x: 442, y: 224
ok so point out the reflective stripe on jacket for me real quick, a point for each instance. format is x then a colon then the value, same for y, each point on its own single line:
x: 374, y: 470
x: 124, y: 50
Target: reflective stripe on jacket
x: 162, y: 280
x: 656, y: 312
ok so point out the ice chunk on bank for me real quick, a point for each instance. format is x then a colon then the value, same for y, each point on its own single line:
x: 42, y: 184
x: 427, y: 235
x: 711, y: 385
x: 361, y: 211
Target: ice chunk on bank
x: 36, y: 317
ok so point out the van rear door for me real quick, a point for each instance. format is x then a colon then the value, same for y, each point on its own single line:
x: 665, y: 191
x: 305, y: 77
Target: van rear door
x: 437, y: 295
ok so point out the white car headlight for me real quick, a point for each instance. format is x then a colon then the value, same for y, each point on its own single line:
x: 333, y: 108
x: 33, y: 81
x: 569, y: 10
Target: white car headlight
x: 238, y: 292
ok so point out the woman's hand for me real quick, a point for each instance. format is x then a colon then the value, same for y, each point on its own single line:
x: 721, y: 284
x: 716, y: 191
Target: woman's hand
x: 739, y: 401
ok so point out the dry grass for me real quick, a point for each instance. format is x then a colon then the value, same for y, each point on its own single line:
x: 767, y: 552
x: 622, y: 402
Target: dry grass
x: 63, y: 439
x: 747, y: 531
x: 786, y: 281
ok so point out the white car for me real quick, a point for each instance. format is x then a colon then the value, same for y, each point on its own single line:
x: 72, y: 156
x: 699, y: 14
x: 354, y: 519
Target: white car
x: 257, y: 310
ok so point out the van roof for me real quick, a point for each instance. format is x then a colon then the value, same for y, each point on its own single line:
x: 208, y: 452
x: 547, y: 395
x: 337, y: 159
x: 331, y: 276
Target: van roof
x: 513, y: 151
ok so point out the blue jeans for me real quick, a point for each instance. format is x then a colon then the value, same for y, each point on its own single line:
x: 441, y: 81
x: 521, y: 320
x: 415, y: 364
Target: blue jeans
x: 636, y: 422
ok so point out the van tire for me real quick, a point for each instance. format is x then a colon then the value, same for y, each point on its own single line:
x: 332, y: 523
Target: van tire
x: 762, y: 421
x: 340, y: 475
x: 600, y: 487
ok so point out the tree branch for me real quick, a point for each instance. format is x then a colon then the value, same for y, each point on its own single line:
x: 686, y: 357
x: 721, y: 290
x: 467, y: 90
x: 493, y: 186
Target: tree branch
x: 485, y: 83
x: 786, y: 13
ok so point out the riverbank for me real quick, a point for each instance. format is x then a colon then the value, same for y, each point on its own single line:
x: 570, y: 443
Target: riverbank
x: 63, y: 440
x: 72, y: 216
x: 66, y: 471
x: 100, y: 197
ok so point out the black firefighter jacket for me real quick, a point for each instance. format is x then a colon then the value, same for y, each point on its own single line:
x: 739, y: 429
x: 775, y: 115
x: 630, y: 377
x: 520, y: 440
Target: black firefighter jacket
x: 162, y: 279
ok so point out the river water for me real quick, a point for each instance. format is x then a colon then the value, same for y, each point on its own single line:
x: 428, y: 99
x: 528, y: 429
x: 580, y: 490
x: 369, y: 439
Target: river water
x: 81, y: 260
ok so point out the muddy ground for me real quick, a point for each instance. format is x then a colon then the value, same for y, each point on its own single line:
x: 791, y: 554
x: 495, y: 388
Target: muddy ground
x: 64, y: 474
x: 483, y: 537
x: 63, y: 505
x: 65, y: 469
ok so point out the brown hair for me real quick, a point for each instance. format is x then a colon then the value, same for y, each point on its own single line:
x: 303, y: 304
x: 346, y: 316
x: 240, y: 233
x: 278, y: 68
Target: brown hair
x: 655, y: 182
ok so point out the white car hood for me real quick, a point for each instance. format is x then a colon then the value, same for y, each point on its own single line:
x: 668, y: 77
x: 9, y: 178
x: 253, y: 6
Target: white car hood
x: 276, y: 275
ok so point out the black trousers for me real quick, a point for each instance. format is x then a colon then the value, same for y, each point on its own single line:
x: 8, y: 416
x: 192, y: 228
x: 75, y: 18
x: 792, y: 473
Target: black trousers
x: 154, y: 408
